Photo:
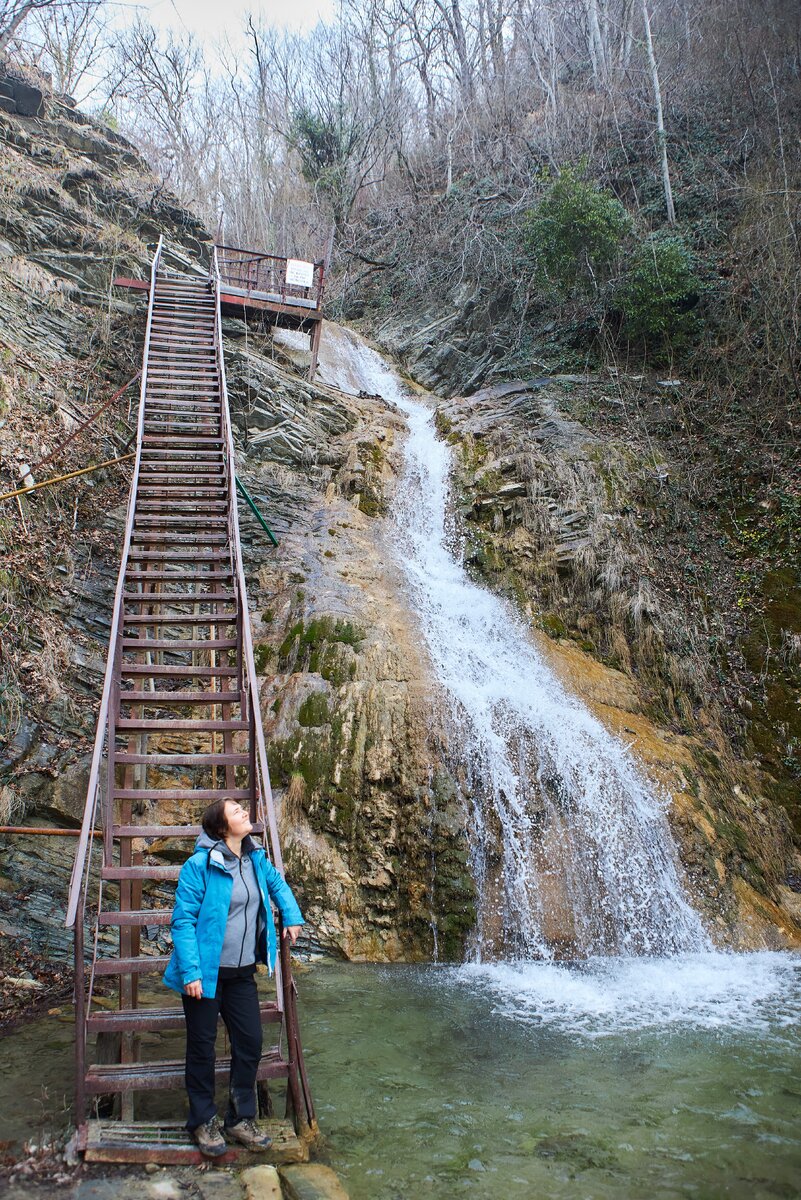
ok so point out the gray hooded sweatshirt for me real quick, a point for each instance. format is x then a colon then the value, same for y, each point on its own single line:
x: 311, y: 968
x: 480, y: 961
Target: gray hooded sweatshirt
x: 244, y: 916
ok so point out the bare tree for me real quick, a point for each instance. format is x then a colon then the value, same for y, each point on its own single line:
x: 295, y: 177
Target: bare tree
x: 14, y: 12
x: 661, y: 136
x: 70, y: 41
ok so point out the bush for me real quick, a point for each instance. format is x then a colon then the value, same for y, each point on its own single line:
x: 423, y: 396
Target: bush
x: 575, y: 234
x: 660, y: 290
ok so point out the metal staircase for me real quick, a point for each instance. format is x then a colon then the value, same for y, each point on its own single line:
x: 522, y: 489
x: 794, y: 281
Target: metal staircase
x: 179, y: 726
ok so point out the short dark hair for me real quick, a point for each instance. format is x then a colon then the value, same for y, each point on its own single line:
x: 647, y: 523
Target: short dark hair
x: 214, y: 820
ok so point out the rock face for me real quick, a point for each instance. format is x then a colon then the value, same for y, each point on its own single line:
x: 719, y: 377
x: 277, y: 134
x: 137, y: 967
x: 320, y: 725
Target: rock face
x: 78, y: 205
x: 372, y: 830
x: 371, y: 815
x: 550, y: 514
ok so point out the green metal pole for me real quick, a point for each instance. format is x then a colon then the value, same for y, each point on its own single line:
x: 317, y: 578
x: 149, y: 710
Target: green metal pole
x: 249, y: 499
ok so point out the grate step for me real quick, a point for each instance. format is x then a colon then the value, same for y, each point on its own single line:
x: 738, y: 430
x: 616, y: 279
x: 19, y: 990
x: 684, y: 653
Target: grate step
x: 201, y: 795
x: 182, y: 760
x: 168, y: 1142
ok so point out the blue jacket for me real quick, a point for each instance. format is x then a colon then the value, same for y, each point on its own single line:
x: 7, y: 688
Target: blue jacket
x: 202, y: 900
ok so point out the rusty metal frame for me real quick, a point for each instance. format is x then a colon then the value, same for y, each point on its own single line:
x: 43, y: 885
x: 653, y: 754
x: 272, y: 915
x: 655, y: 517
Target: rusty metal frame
x: 245, y: 269
x: 184, y: 424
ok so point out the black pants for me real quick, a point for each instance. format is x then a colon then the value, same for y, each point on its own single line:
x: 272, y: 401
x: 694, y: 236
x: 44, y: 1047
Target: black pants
x: 237, y: 1002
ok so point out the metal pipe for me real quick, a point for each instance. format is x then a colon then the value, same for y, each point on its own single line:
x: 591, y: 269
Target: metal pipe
x: 36, y: 831
x: 99, y: 412
x: 60, y: 478
x: 251, y: 503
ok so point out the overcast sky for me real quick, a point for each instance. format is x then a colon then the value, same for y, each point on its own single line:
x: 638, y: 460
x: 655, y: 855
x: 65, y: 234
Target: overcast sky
x: 211, y: 20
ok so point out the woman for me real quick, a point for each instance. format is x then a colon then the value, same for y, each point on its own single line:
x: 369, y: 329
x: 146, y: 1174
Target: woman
x: 222, y: 924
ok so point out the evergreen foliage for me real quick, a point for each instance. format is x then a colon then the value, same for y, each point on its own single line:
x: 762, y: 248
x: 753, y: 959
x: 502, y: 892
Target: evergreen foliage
x: 659, y: 290
x: 575, y: 235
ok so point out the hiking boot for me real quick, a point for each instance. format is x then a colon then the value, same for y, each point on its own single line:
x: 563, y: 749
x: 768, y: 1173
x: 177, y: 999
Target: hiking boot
x: 209, y: 1139
x: 247, y: 1133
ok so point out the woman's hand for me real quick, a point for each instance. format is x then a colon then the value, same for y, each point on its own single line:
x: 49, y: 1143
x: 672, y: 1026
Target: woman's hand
x: 292, y: 932
x: 194, y: 989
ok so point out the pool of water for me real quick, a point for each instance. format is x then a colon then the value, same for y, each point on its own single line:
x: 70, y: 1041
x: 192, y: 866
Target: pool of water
x: 617, y: 1078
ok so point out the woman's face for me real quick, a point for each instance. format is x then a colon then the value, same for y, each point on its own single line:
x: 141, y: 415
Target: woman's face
x: 239, y: 823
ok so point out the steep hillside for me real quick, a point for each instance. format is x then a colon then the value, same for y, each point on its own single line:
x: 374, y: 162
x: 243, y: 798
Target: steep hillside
x: 79, y: 206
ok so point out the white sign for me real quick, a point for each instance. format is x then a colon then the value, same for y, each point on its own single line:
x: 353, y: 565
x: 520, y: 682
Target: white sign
x: 299, y: 273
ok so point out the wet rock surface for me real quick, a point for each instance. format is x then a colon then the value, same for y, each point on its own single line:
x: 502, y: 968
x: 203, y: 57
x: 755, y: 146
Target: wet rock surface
x: 553, y: 518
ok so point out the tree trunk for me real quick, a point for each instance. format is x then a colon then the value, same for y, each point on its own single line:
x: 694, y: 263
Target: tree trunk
x: 7, y: 33
x: 660, y: 120
x: 597, y: 49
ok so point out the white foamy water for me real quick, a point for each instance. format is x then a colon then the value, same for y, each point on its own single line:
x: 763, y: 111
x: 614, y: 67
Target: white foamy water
x: 758, y: 992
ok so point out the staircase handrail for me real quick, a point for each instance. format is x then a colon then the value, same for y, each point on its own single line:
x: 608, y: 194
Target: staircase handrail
x: 266, y: 796
x: 76, y: 890
x: 285, y: 984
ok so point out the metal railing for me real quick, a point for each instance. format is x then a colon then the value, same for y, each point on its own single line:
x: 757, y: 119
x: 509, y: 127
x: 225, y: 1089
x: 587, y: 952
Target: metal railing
x: 99, y: 807
x: 265, y: 276
x: 260, y: 775
x: 104, y: 742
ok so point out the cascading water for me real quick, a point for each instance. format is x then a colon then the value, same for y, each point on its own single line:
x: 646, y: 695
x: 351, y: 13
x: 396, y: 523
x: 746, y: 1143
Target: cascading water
x: 571, y: 846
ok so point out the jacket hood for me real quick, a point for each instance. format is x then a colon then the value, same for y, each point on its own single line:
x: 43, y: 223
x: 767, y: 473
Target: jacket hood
x: 204, y: 842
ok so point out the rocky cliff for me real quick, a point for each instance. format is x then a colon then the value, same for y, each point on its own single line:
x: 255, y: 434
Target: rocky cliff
x: 581, y: 499
x: 367, y: 803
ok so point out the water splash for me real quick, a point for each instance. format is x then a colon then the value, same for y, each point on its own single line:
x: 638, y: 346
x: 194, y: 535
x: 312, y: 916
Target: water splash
x: 604, y: 997
x: 571, y: 846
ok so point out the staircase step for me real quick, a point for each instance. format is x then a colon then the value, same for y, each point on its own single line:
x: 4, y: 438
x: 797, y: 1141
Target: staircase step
x: 156, y: 455
x: 210, y: 391
x: 177, y: 576
x: 154, y: 507
x: 179, y: 489
x: 118, y: 873
x: 175, y: 598
x: 163, y: 831
x: 131, y: 1020
x: 164, y: 408
x: 168, y: 1142
x: 165, y: 699
x: 136, y: 552
x: 131, y: 643
x: 156, y: 669
x: 176, y: 521
x: 149, y: 1076
x: 155, y: 537
x: 145, y: 964
x: 180, y: 726
x: 136, y: 917
x: 200, y: 795
x: 181, y: 760
x: 180, y: 619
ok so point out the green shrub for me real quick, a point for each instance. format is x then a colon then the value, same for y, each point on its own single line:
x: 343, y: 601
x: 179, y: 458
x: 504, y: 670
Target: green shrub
x: 575, y: 234
x: 659, y: 290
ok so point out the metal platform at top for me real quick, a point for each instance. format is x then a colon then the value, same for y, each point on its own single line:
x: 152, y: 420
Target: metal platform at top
x: 287, y: 292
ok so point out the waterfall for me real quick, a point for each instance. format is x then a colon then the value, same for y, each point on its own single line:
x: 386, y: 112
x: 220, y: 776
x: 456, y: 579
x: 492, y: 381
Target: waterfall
x: 571, y: 847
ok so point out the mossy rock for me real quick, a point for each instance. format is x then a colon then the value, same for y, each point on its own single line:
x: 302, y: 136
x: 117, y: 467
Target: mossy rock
x: 314, y: 710
x: 262, y: 655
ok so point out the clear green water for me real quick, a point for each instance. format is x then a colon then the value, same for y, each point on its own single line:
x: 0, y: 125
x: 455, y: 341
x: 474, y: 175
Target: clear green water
x: 424, y: 1088
x: 628, y: 1080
